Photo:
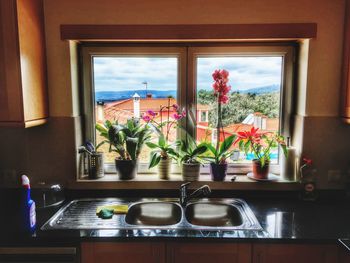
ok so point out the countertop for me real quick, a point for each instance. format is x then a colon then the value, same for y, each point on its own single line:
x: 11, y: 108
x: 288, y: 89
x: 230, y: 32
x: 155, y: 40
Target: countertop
x: 282, y: 220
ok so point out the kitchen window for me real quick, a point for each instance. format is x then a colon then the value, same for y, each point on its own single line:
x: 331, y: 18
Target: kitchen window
x: 124, y: 81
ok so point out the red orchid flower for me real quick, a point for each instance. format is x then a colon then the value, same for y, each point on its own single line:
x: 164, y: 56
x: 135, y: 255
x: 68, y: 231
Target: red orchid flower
x: 307, y: 161
x: 251, y: 135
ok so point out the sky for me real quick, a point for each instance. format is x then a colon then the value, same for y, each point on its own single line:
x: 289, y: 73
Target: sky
x: 128, y: 73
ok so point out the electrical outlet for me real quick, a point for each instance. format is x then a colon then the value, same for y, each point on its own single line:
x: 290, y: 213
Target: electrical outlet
x: 334, y: 176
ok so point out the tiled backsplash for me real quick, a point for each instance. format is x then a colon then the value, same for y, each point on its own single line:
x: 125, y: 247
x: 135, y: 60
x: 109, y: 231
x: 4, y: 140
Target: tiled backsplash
x: 44, y: 153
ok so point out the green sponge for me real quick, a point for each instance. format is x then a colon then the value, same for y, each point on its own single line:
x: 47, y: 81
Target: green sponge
x: 106, y: 213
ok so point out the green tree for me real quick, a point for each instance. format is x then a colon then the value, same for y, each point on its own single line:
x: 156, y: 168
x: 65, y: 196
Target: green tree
x: 241, y: 105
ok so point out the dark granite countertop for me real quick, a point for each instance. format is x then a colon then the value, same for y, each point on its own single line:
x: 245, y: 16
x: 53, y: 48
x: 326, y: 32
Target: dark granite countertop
x: 283, y: 220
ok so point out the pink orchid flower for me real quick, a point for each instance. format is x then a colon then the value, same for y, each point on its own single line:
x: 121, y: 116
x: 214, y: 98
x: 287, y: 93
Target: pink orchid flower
x: 146, y: 118
x: 177, y: 116
x: 151, y: 112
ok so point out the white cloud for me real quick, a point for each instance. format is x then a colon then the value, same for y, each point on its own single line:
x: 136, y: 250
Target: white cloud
x: 245, y: 72
x: 122, y: 73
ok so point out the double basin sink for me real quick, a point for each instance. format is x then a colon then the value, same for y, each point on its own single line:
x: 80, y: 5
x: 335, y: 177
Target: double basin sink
x: 203, y: 214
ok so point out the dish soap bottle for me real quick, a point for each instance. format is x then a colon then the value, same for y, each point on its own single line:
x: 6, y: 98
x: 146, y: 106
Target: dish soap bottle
x: 28, y: 207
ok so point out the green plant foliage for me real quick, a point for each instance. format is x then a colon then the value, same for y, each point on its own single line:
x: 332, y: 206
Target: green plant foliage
x: 161, y: 150
x: 126, y: 139
x: 220, y: 155
x: 241, y: 105
x: 189, y: 151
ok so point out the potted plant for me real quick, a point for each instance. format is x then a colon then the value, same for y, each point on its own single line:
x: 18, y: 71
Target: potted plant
x: 127, y: 141
x: 95, y: 160
x: 220, y: 151
x: 260, y: 144
x: 190, y: 156
x: 163, y: 151
x: 218, y: 158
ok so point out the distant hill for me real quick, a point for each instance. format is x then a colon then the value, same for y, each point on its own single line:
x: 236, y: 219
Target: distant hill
x: 262, y: 90
x: 107, y: 96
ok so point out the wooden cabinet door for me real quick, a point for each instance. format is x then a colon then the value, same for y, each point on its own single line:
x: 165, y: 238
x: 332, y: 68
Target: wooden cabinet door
x: 291, y: 253
x: 208, y: 252
x: 346, y: 66
x: 130, y: 252
x: 23, y: 83
x: 344, y: 255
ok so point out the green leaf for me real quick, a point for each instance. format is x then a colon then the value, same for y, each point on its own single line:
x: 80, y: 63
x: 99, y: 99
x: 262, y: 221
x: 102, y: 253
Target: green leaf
x: 284, y: 149
x: 131, y: 147
x: 172, y: 152
x: 155, y: 159
x: 262, y: 161
x: 161, y: 140
x: 199, y: 150
x: 191, y: 142
x: 226, y: 144
x: 211, y: 148
x: 101, y: 143
x: 151, y: 145
x: 108, y: 124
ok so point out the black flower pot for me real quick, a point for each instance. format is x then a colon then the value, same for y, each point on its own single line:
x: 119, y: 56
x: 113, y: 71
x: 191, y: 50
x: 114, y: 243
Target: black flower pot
x: 126, y: 169
x: 218, y: 171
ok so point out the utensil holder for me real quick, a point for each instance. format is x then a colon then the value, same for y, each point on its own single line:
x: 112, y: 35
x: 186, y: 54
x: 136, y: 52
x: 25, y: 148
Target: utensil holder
x: 95, y: 165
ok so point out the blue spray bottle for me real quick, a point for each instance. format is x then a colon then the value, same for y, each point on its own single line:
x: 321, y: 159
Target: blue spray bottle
x: 28, y: 207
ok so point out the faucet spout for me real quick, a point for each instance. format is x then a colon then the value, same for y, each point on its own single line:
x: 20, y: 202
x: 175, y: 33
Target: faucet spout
x: 201, y: 191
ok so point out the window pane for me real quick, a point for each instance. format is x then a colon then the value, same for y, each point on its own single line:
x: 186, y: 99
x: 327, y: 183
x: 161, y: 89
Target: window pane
x: 254, y: 98
x: 128, y: 86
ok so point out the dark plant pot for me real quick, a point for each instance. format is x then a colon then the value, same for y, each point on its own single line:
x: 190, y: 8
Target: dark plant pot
x: 260, y: 172
x: 126, y: 169
x: 218, y: 171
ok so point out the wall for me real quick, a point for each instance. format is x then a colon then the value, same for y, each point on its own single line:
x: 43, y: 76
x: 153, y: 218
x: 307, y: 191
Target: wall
x: 317, y: 113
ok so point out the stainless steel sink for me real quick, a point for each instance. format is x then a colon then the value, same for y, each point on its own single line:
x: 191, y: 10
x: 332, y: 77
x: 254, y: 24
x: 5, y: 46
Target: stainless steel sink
x: 154, y: 214
x: 158, y: 213
x: 213, y: 214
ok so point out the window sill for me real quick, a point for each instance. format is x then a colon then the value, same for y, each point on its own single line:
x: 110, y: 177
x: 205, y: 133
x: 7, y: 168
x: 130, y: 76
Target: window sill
x: 152, y: 181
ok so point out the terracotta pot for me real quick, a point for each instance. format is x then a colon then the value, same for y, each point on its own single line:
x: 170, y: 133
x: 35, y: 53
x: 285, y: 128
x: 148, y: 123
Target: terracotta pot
x: 164, y: 168
x: 190, y: 171
x: 260, y: 172
x: 218, y: 171
x: 126, y: 169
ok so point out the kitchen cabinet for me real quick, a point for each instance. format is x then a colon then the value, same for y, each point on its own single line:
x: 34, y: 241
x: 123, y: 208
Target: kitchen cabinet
x: 23, y: 79
x: 131, y: 252
x: 344, y: 255
x: 223, y: 252
x: 346, y: 66
x: 208, y: 252
x: 179, y: 252
x: 291, y: 253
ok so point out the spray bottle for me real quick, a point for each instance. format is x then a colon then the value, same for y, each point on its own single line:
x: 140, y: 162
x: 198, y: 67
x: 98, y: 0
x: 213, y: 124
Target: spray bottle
x: 28, y: 207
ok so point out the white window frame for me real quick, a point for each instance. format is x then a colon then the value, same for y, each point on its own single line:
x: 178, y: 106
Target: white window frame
x: 287, y: 52
x: 186, y: 93
x: 89, y: 51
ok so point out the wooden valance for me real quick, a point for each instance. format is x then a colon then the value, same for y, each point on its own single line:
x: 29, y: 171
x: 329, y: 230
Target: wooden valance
x: 224, y: 32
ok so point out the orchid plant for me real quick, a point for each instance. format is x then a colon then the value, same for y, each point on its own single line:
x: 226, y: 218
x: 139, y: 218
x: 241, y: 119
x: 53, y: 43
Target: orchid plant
x: 163, y: 149
x: 260, y: 144
x: 221, y: 151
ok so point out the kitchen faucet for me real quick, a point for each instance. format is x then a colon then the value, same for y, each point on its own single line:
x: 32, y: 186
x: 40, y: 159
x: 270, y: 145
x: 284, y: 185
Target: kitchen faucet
x: 201, y: 191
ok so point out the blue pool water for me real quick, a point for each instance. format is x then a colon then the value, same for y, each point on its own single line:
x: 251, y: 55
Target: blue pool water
x: 273, y: 156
